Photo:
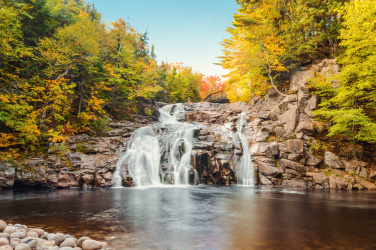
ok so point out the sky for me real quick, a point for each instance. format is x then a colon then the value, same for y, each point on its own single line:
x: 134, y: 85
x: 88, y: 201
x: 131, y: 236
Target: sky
x: 187, y: 31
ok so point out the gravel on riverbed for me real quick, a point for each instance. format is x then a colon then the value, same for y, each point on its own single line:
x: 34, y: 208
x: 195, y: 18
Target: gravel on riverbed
x: 20, y: 237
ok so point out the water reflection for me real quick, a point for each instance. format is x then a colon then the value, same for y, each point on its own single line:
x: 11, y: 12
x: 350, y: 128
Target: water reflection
x: 202, y: 217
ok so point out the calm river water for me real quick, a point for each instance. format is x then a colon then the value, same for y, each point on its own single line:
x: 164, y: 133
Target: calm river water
x: 202, y: 217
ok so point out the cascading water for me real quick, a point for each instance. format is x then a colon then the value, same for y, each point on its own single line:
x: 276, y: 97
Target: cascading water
x: 245, y: 173
x: 147, y: 149
x: 141, y: 158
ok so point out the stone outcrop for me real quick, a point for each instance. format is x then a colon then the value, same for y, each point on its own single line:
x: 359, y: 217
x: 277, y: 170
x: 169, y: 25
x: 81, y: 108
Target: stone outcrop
x: 82, y: 161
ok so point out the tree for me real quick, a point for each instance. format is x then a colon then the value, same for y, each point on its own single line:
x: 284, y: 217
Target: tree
x: 351, y: 105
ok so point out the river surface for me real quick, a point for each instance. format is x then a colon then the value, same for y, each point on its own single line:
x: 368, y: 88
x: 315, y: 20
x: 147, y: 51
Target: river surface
x: 201, y: 217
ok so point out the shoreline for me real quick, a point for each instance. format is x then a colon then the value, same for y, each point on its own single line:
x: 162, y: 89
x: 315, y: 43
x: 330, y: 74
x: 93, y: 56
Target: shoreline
x: 21, y: 237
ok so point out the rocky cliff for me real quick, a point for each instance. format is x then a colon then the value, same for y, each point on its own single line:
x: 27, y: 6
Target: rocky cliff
x: 283, y: 138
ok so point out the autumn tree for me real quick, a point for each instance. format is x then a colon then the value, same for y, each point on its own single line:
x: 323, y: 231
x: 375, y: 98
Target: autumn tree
x: 211, y: 84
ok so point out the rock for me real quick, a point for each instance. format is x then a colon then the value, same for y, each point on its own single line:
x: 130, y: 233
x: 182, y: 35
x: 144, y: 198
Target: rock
x: 366, y: 184
x: 81, y: 240
x: 305, y: 127
x: 300, y: 168
x: 357, y: 187
x: 68, y: 243
x: 267, y: 167
x: 32, y: 242
x: 32, y: 234
x: 18, y: 235
x: 294, y: 157
x: 3, y: 225
x: 295, y: 146
x: 58, y: 238
x: 7, y: 176
x: 22, y: 246
x: 338, y: 182
x: 289, y: 119
x: 78, y: 138
x: 91, y: 245
x: 311, y: 105
x: 50, y: 248
x: 68, y: 179
x: 318, y: 178
x: 265, y: 181
x: 66, y: 248
x: 332, y: 160
x: 373, y: 176
x: 294, y: 184
x: 40, y: 232
x: 49, y: 243
x: 10, y: 229
x: 40, y: 242
x: 312, y: 160
x: 3, y: 242
x: 6, y: 248
x: 5, y: 236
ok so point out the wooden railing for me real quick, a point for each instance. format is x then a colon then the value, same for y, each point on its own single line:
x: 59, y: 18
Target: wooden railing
x: 217, y: 97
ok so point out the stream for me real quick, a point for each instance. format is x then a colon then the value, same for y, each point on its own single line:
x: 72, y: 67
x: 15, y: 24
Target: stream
x: 201, y: 217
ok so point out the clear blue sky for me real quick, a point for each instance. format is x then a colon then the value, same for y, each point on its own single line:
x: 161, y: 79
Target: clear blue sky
x: 187, y: 31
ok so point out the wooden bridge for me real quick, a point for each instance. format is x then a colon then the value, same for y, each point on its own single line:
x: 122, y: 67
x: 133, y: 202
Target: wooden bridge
x: 217, y: 97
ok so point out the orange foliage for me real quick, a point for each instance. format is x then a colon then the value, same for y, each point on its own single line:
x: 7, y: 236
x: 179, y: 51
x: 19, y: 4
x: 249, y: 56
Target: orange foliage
x: 211, y: 84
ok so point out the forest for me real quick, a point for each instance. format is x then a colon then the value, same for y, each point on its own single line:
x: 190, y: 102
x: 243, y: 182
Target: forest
x: 270, y: 39
x: 63, y: 71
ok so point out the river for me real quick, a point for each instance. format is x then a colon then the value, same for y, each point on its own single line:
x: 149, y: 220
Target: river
x: 201, y: 217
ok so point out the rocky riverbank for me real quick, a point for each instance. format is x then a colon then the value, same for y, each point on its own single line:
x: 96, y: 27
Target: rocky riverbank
x: 20, y: 237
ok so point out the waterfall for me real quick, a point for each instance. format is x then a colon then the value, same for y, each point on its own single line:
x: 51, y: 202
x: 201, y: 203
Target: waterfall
x: 245, y: 173
x: 169, y: 141
x: 141, y: 158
